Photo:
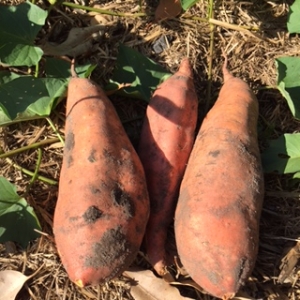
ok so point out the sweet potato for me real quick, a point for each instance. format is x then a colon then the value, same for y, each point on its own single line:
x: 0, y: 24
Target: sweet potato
x: 167, y: 137
x: 221, y: 194
x: 103, y: 204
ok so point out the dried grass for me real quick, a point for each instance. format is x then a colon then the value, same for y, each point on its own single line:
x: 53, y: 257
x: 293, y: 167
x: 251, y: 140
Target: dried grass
x: 258, y: 37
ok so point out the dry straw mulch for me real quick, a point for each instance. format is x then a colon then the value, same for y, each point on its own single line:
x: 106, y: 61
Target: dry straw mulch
x: 253, y: 34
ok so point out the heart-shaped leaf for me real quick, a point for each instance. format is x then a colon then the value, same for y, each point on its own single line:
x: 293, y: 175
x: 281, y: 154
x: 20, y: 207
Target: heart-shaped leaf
x: 17, y: 218
x: 283, y: 154
x: 26, y: 97
x: 141, y: 74
x: 59, y: 68
x: 293, y: 17
x: 19, y: 26
x: 288, y: 82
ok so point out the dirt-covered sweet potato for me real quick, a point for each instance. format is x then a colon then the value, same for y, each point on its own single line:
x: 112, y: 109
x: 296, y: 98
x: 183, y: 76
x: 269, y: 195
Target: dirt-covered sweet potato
x: 103, y: 206
x: 167, y: 138
x: 221, y: 194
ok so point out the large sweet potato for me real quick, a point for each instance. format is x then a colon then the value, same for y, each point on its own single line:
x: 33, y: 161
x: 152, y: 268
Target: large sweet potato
x: 221, y: 195
x: 103, y: 206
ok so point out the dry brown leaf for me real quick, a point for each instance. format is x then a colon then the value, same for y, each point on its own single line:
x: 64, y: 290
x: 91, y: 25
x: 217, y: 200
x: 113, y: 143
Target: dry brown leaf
x: 11, y: 283
x: 188, y: 282
x: 146, y: 286
x: 56, y: 145
x: 167, y: 9
x: 79, y: 41
x: 289, y: 262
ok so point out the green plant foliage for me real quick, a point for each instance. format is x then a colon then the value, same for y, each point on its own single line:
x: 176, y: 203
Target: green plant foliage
x: 283, y: 155
x: 143, y: 74
x: 58, y: 68
x: 17, y: 218
x: 293, y: 24
x: 19, y: 26
x: 186, y: 4
x: 26, y: 97
x: 288, y: 82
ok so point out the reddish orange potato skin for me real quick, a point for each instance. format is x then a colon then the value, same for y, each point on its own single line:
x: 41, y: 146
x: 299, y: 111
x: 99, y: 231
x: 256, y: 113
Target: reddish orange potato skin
x: 103, y: 205
x: 166, y: 140
x: 221, y: 194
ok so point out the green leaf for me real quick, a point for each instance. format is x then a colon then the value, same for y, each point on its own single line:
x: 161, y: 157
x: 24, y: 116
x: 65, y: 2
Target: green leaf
x: 19, y: 26
x: 26, y: 97
x: 296, y: 175
x: 186, y: 4
x: 17, y: 218
x: 58, y: 68
x: 143, y: 74
x: 283, y: 154
x: 288, y: 82
x: 293, y: 23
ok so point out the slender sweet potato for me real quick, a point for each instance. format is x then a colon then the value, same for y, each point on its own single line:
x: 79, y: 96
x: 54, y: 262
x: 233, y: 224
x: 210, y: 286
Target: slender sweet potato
x: 103, y: 204
x: 221, y: 194
x: 167, y: 138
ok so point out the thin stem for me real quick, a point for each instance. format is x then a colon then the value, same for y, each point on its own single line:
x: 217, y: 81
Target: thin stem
x: 56, y: 131
x: 232, y: 26
x: 36, y: 171
x: 223, y: 24
x: 35, y: 272
x: 32, y: 146
x: 29, y: 173
x: 211, y: 54
x: 104, y: 11
x: 36, y: 73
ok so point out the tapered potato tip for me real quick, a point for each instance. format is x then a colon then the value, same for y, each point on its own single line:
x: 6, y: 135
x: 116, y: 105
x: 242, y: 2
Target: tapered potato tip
x: 226, y: 73
x: 228, y: 296
x: 185, y: 67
